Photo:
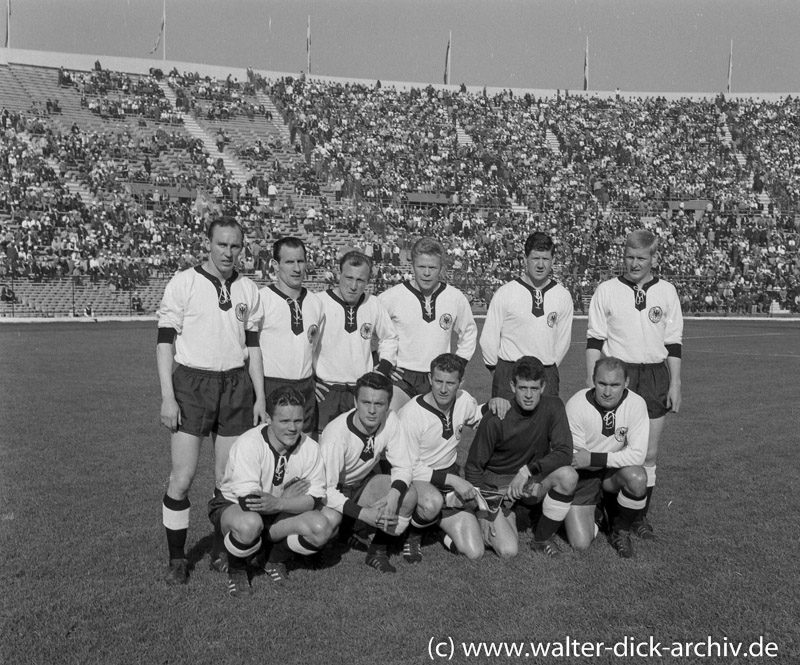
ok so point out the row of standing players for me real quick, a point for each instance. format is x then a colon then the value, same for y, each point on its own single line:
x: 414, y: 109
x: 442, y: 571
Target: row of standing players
x: 276, y: 365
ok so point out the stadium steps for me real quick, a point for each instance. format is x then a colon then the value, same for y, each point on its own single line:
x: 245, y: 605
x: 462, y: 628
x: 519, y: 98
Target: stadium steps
x: 551, y: 141
x: 229, y: 161
x: 462, y: 137
x: 14, y: 95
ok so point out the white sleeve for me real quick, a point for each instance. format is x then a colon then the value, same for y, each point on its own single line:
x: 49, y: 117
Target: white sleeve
x: 333, y: 461
x: 466, y: 329
x: 173, y: 304
x: 598, y: 323
x: 564, y: 328
x: 636, y: 438
x: 388, y: 338
x: 490, y: 336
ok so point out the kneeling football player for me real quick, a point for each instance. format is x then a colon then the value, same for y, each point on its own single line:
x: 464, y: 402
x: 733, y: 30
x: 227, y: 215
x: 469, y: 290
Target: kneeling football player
x: 270, y: 499
x: 352, y: 446
x: 525, y: 456
x: 610, y: 429
x: 432, y: 423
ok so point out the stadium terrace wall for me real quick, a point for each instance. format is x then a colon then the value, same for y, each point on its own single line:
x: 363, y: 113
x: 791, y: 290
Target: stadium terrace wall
x: 85, y: 62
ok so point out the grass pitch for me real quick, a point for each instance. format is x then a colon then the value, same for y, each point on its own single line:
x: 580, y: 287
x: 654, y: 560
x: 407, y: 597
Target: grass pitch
x: 83, y: 464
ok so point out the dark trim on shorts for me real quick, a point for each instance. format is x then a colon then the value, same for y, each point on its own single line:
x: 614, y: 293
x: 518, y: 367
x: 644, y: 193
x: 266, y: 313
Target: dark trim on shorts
x: 218, y: 402
x: 501, y: 380
x: 413, y: 383
x: 651, y: 382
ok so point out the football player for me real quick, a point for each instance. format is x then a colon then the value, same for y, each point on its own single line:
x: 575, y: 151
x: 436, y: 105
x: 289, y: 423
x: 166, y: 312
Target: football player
x: 271, y: 496
x: 208, y: 325
x: 609, y: 427
x: 292, y: 323
x: 527, y: 456
x: 426, y: 312
x: 528, y: 316
x: 352, y: 446
x: 432, y: 423
x: 637, y: 318
x: 352, y: 316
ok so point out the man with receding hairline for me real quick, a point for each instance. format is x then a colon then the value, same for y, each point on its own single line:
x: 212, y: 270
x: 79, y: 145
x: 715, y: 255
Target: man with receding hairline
x: 637, y: 317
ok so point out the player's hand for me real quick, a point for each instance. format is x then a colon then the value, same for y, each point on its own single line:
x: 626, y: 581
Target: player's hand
x: 296, y: 487
x: 581, y: 458
x: 266, y: 504
x: 674, y: 397
x: 259, y: 412
x: 516, y: 488
x: 170, y: 414
x: 499, y: 406
x: 464, y: 489
x: 321, y: 390
x: 397, y: 374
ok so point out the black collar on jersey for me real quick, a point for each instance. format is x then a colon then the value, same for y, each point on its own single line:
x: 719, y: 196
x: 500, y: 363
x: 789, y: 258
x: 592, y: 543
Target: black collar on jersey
x: 295, y: 307
x: 445, y: 418
x: 280, y: 461
x: 428, y: 307
x: 537, y: 295
x: 223, y: 290
x: 639, y: 292
x: 350, y: 311
x: 367, y: 440
x: 608, y: 416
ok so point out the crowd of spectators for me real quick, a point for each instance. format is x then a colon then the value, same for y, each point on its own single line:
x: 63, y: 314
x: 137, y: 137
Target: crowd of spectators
x: 586, y: 170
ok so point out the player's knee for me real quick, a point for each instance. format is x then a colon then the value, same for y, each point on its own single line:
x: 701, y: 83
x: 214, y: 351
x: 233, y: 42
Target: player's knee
x: 580, y: 542
x: 506, y: 550
x: 635, y: 479
x: 180, y: 480
x: 320, y: 530
x: 247, y: 527
x: 566, y: 480
x: 409, y: 501
x: 429, y: 506
x: 472, y: 550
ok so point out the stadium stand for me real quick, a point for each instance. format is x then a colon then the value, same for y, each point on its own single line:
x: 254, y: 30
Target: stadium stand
x: 109, y: 176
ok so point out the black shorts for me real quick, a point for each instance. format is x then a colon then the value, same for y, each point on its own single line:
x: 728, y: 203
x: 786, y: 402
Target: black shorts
x: 340, y: 399
x: 219, y: 504
x: 454, y: 469
x: 496, y: 482
x: 306, y: 388
x: 589, y: 491
x: 354, y: 491
x: 651, y: 382
x: 214, y: 402
x: 414, y: 383
x: 501, y: 380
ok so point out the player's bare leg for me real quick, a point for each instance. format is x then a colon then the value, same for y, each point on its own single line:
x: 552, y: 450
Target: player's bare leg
x: 222, y: 448
x: 630, y: 484
x: 465, y: 533
x: 304, y: 534
x: 557, y: 491
x: 377, y: 488
x: 500, y: 533
x: 185, y: 453
x: 426, y: 514
x: 642, y: 527
x: 580, y: 526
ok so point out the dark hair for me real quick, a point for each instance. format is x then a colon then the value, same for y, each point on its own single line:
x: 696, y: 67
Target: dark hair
x: 284, y: 396
x: 612, y: 363
x: 355, y: 258
x: 540, y: 242
x: 448, y: 363
x: 222, y: 223
x: 291, y: 243
x: 528, y: 368
x: 376, y: 381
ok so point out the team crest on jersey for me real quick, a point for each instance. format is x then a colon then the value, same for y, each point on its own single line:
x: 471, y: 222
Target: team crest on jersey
x: 655, y: 314
x: 621, y: 434
x: 551, y: 319
x: 445, y: 321
x: 241, y: 312
x: 366, y: 331
x: 313, y: 333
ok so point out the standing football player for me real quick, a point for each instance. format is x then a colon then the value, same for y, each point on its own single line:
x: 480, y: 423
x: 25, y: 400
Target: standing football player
x: 426, y: 312
x: 208, y: 325
x: 351, y: 318
x: 292, y: 323
x: 270, y: 499
x: 609, y: 427
x: 637, y: 318
x: 528, y: 316
x: 432, y: 423
x: 352, y: 446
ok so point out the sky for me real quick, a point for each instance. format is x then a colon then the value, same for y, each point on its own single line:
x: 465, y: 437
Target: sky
x: 633, y: 45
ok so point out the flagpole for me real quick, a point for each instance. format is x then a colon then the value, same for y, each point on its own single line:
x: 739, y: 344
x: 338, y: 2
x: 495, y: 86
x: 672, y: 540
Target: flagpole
x: 449, y: 55
x: 164, y: 19
x: 8, y: 23
x: 730, y: 68
x: 586, y: 66
x: 308, y: 47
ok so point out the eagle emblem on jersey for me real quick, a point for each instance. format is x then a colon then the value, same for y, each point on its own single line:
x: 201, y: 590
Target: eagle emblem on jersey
x: 655, y: 314
x: 446, y: 321
x: 366, y: 331
x: 313, y: 333
x: 621, y: 434
x: 609, y: 423
x: 552, y: 317
x: 241, y: 312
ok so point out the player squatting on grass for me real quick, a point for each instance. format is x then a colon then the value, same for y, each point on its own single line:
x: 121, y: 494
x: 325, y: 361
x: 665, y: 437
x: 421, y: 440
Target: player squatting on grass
x: 628, y: 647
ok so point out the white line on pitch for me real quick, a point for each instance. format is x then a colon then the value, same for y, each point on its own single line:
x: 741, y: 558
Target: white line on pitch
x: 759, y: 355
x: 726, y: 336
